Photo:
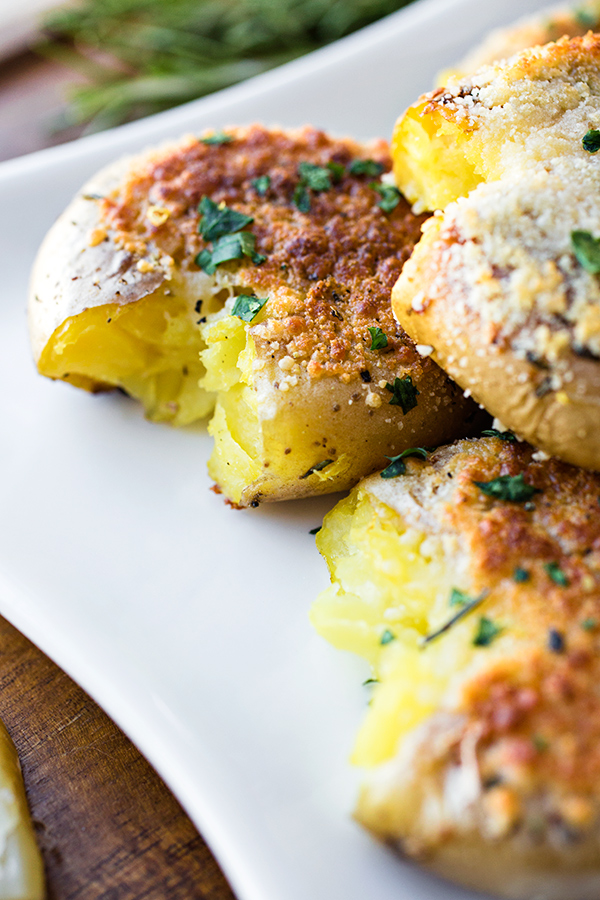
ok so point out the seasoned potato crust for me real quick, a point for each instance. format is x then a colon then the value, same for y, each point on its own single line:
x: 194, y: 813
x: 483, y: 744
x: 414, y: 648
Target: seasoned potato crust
x: 491, y: 724
x: 340, y: 259
x: 314, y: 386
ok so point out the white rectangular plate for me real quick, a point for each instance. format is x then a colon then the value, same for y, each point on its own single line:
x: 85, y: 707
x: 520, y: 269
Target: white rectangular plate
x: 186, y: 620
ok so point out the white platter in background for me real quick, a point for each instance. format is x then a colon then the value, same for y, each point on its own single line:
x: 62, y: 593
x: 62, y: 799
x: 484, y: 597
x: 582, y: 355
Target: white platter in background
x: 185, y: 620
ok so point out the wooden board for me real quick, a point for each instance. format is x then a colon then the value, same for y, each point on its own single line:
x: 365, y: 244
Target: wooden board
x: 107, y: 825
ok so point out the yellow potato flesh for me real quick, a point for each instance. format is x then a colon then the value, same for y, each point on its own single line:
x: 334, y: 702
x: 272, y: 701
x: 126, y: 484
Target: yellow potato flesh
x: 150, y: 349
x: 252, y: 450
x: 390, y: 580
x: 437, y: 158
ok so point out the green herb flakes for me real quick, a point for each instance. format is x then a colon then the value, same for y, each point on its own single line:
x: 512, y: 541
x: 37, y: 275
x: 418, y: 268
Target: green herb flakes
x: 261, y: 184
x: 487, y: 631
x: 219, y: 137
x: 227, y: 248
x: 370, y: 681
x: 520, y: 575
x: 557, y: 575
x: 512, y: 488
x: 587, y: 251
x: 589, y: 624
x: 247, y: 307
x: 301, y: 198
x: 217, y: 221
x: 540, y: 743
x: 507, y: 436
x: 387, y: 637
x: 404, y: 393
x: 337, y: 171
x: 458, y: 598
x: 397, y: 465
x: 378, y: 338
x: 390, y: 195
x: 318, y: 467
x: 366, y: 167
x: 314, y: 178
x: 317, y: 178
x: 591, y: 141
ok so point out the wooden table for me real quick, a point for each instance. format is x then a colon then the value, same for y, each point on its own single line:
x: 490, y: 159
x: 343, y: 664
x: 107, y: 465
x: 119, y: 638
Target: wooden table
x: 108, y: 827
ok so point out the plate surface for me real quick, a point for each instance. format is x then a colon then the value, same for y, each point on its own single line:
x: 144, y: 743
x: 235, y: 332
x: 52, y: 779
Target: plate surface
x: 185, y: 620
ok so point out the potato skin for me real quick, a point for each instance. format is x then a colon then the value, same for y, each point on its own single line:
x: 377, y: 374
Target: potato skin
x: 328, y: 420
x: 73, y: 273
x: 563, y: 423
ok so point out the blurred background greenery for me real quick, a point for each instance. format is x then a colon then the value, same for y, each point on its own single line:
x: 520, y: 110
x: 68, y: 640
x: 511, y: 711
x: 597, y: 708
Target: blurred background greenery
x: 139, y: 57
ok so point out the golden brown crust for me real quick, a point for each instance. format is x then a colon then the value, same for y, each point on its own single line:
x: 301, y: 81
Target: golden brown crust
x: 339, y: 259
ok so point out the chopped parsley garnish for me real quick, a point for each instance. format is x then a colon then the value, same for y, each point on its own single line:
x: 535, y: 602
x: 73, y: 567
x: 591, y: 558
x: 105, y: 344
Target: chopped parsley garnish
x: 378, y: 338
x: 261, y: 184
x: 591, y: 141
x: 317, y: 467
x: 556, y: 574
x: 520, y: 575
x: 390, y: 195
x: 370, y: 681
x: 228, y: 247
x: 387, y: 637
x: 404, y: 393
x: 397, y: 465
x: 589, y: 624
x: 458, y: 598
x: 486, y: 632
x: 337, y: 171
x: 218, y: 221
x: 587, y: 251
x: 462, y: 612
x: 502, y: 435
x: 301, y: 198
x: 556, y: 641
x: 540, y: 743
x: 513, y: 488
x: 315, y: 530
x: 314, y: 178
x: 366, y: 167
x: 317, y: 178
x: 219, y: 137
x: 247, y: 307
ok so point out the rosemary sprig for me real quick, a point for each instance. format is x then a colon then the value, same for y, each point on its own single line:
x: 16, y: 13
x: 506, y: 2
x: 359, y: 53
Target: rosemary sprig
x: 143, y: 56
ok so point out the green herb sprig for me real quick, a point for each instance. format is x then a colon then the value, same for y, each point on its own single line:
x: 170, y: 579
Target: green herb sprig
x: 512, y: 488
x: 143, y: 56
x: 397, y: 465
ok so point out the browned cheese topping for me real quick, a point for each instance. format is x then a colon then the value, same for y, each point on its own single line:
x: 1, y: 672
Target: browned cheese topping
x: 537, y: 711
x: 328, y: 271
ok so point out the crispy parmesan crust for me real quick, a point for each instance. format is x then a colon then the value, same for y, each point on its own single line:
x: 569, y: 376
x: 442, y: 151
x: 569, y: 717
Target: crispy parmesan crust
x: 499, y: 789
x: 520, y: 360
x: 338, y: 261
